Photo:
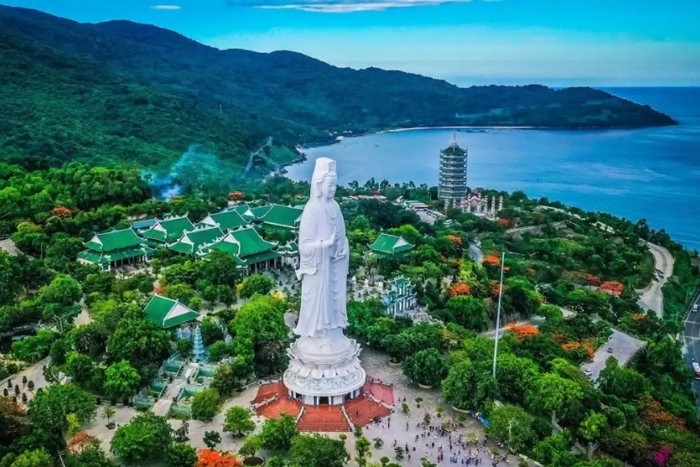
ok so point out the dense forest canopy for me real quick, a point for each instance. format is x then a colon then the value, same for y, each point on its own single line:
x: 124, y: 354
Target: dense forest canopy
x: 121, y: 91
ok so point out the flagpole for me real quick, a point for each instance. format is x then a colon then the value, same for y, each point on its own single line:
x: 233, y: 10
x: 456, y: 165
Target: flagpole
x: 498, y: 312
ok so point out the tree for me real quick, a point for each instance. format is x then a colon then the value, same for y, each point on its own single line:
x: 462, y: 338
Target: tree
x: 469, y: 386
x: 469, y: 312
x: 73, y: 424
x: 238, y: 421
x: 256, y: 284
x: 139, y: 342
x: 109, y: 411
x: 513, y: 425
x: 184, y: 348
x: 211, y: 458
x: 181, y: 455
x: 79, y: 367
x: 211, y: 438
x: 362, y: 446
x: 211, y: 331
x: 36, y: 458
x: 278, y: 434
x: 261, y: 332
x: 592, y: 427
x: 180, y: 435
x: 205, y: 405
x: 553, y: 393
x: 59, y: 297
x: 49, y: 408
x: 89, y: 339
x: 555, y: 451
x: 317, y: 451
x: 515, y: 375
x: 426, y: 367
x: 145, y: 439
x: 121, y: 380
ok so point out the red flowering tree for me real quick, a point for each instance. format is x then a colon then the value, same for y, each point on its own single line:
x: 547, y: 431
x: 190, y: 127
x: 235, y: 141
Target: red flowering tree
x: 459, y: 288
x: 61, y: 211
x: 236, y: 196
x: 158, y: 288
x: 82, y: 440
x: 593, y: 280
x: 523, y: 331
x: 504, y: 222
x: 211, y: 458
x: 493, y: 260
x: 613, y: 287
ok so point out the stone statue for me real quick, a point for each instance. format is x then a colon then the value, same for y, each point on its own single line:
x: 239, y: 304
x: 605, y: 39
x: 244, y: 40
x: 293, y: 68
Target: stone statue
x: 324, y: 258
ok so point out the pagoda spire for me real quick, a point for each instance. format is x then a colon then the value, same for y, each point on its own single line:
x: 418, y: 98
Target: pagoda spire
x: 454, y: 140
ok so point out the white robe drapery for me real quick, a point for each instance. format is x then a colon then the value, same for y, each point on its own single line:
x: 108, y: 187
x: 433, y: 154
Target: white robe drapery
x: 322, y: 270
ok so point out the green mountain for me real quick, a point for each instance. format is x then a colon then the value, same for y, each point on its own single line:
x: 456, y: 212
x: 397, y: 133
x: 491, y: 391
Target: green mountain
x: 121, y: 91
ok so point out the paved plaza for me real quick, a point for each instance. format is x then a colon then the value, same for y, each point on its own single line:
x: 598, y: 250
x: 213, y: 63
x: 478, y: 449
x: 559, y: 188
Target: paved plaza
x: 397, y: 427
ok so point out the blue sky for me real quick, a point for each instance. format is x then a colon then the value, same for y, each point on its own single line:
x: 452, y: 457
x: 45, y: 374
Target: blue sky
x: 554, y: 42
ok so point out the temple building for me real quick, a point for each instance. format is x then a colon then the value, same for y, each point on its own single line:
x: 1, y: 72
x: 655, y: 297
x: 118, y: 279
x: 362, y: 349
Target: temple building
x: 167, y: 313
x: 290, y: 254
x: 225, y: 220
x: 244, y: 210
x: 113, y: 249
x: 452, y: 187
x: 390, y: 245
x: 167, y: 230
x: 277, y: 217
x: 400, y: 298
x: 250, y: 251
x: 192, y: 241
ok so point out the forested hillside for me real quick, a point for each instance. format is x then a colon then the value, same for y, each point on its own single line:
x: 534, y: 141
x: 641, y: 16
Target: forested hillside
x: 56, y: 108
x: 299, y: 99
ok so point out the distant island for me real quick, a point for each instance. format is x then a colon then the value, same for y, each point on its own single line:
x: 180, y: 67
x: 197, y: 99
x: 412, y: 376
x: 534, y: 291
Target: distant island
x: 121, y: 92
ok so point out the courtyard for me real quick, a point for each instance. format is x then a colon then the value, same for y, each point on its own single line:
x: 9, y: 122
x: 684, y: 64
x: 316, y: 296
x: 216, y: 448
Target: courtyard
x: 396, y: 430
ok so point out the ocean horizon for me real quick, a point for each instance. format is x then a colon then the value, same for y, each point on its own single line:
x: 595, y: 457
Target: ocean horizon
x: 651, y: 173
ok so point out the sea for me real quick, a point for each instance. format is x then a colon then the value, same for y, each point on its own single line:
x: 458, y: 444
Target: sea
x: 650, y: 173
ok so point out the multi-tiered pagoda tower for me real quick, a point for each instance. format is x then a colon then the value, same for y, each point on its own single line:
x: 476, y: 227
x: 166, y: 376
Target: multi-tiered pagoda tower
x: 453, y: 174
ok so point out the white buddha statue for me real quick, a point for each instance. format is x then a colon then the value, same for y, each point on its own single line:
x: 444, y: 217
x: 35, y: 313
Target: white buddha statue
x: 324, y: 258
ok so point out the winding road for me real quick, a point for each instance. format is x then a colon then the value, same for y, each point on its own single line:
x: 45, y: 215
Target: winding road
x: 652, y: 298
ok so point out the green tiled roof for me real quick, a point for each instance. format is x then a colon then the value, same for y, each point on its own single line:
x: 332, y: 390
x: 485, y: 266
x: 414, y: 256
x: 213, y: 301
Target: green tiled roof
x: 190, y: 242
x: 246, y: 246
x: 169, y: 230
x: 260, y: 211
x: 289, y: 248
x: 281, y: 216
x: 390, y: 244
x: 244, y: 210
x: 108, y: 257
x: 167, y: 313
x: 114, y: 240
x: 226, y: 220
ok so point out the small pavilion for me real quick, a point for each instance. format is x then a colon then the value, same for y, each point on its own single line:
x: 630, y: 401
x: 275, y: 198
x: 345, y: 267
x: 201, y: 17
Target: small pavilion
x: 168, y: 313
x: 390, y: 245
x: 115, y: 248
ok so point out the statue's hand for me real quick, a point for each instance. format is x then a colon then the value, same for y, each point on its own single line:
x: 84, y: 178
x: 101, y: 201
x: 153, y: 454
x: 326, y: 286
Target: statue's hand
x: 334, y: 236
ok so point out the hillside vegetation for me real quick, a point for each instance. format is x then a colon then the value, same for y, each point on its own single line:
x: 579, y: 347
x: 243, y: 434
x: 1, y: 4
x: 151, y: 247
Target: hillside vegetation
x: 296, y: 98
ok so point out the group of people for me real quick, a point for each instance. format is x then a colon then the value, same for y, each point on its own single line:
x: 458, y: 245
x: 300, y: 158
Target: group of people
x: 443, y: 446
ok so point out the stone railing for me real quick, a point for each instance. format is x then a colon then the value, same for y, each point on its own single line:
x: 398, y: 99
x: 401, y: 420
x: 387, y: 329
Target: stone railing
x: 347, y: 417
x: 301, y: 413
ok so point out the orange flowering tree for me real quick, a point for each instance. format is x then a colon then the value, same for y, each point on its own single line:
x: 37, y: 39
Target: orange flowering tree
x: 236, y: 196
x: 81, y: 440
x: 61, y: 211
x: 211, y: 458
x: 493, y: 260
x: 613, y: 287
x: 593, y: 280
x: 523, y: 331
x: 459, y: 288
x: 455, y: 239
x: 504, y: 222
x: 654, y: 415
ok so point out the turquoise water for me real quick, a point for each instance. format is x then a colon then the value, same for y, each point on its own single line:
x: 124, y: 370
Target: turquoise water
x: 647, y: 173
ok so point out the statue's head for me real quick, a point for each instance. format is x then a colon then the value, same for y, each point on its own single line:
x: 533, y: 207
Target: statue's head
x: 324, y: 180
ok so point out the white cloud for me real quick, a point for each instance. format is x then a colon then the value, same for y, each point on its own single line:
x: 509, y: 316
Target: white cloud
x: 166, y: 7
x: 340, y: 6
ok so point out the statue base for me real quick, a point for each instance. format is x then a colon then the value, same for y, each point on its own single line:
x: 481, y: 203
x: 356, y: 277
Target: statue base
x: 324, y: 370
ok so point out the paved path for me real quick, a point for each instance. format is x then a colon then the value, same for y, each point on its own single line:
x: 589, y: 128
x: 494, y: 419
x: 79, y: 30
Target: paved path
x: 622, y: 346
x: 691, y: 340
x: 652, y: 297
x: 9, y: 246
